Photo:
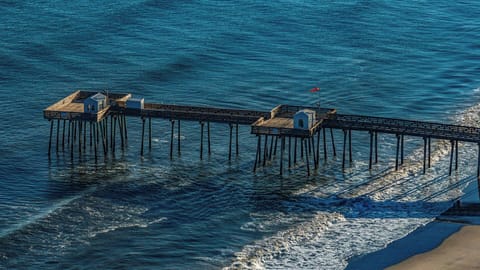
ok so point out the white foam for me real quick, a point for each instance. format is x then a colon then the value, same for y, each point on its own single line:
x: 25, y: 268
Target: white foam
x: 329, y: 240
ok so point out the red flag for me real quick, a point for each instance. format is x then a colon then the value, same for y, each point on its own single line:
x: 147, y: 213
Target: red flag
x: 315, y: 89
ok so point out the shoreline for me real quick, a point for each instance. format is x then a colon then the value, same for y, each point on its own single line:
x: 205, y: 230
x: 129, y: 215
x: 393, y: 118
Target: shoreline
x: 458, y: 251
x: 450, y: 241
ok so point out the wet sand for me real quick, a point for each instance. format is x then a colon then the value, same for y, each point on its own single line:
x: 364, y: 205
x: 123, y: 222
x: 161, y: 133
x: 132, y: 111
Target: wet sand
x: 459, y: 251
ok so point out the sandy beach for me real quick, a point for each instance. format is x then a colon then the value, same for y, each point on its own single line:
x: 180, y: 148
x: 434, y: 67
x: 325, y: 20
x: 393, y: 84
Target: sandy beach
x: 459, y: 251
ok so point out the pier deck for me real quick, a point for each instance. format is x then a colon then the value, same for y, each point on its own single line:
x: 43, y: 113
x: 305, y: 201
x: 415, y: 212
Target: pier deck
x: 275, y: 124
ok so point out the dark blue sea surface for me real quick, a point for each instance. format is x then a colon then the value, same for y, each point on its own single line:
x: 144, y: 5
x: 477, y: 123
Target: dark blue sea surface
x: 405, y: 59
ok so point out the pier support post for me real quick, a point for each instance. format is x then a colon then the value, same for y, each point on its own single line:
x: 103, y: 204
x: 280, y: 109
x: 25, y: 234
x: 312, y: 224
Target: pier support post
x: 301, y: 148
x: 425, y: 154
x: 111, y: 133
x: 265, y: 150
x: 275, y: 149
x: 121, y: 130
x: 324, y: 144
x: 114, y: 132
x: 478, y: 165
x: 91, y: 135
x: 84, y: 136
x: 344, y: 147
x: 318, y: 148
x: 68, y: 131
x: 149, y: 133
x: 350, y: 145
x: 401, y: 149
x: 371, y: 151
x: 172, y: 122
x: 50, y: 138
x: 289, y: 152
x: 271, y: 147
x: 398, y: 150
x: 257, y: 155
x: 429, y: 151
x: 306, y: 155
x: 295, y: 151
x: 143, y: 135
x: 80, y: 137
x: 282, y: 150
x: 236, y: 140
x: 456, y: 155
x: 125, y: 128
x: 333, y: 143
x: 452, y: 142
x: 178, y: 138
x: 230, y: 142
x: 58, y: 134
x: 95, y: 127
x: 73, y: 124
x: 63, y: 136
x: 104, y: 136
x: 201, y: 140
x: 208, y: 139
x: 315, y: 158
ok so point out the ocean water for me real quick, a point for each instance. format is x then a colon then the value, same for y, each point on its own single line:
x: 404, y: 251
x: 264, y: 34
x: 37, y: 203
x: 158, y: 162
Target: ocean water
x: 408, y: 59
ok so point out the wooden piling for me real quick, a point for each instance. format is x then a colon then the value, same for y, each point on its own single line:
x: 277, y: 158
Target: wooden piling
x: 257, y: 155
x: 376, y: 147
x: 314, y: 152
x: 295, y: 151
x: 236, y: 140
x: 230, y: 142
x: 68, y: 131
x: 95, y: 127
x: 143, y: 136
x: 208, y: 138
x: 371, y: 151
x: 456, y: 155
x: 178, y: 138
x: 50, y: 140
x: 265, y: 150
x: 306, y: 155
x: 398, y: 150
x: 172, y: 122
x: 401, y: 149
x: 201, y: 140
x: 350, y: 145
x: 275, y: 149
x: 282, y: 150
x: 63, y: 136
x: 150, y: 133
x: 324, y: 145
x: 318, y: 148
x: 452, y: 142
x: 271, y: 148
x: 429, y: 151
x: 425, y: 154
x: 289, y: 152
x: 344, y: 147
x: 58, y: 135
x: 333, y: 143
x: 114, y: 133
x: 80, y: 138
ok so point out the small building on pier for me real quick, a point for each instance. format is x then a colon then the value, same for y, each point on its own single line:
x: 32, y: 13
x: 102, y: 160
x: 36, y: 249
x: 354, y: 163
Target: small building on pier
x: 95, y: 103
x: 304, y: 119
x: 135, y: 103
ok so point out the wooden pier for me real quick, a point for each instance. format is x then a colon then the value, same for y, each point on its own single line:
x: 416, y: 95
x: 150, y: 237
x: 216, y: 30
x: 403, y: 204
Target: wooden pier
x: 78, y: 125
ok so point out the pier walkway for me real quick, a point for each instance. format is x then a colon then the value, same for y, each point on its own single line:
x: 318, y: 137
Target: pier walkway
x: 87, y: 113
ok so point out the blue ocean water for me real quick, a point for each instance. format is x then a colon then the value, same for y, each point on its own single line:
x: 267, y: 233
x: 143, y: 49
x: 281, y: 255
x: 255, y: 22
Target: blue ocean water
x: 409, y: 59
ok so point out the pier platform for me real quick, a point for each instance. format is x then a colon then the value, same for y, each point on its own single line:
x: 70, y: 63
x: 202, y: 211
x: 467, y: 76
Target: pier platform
x: 91, y: 109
